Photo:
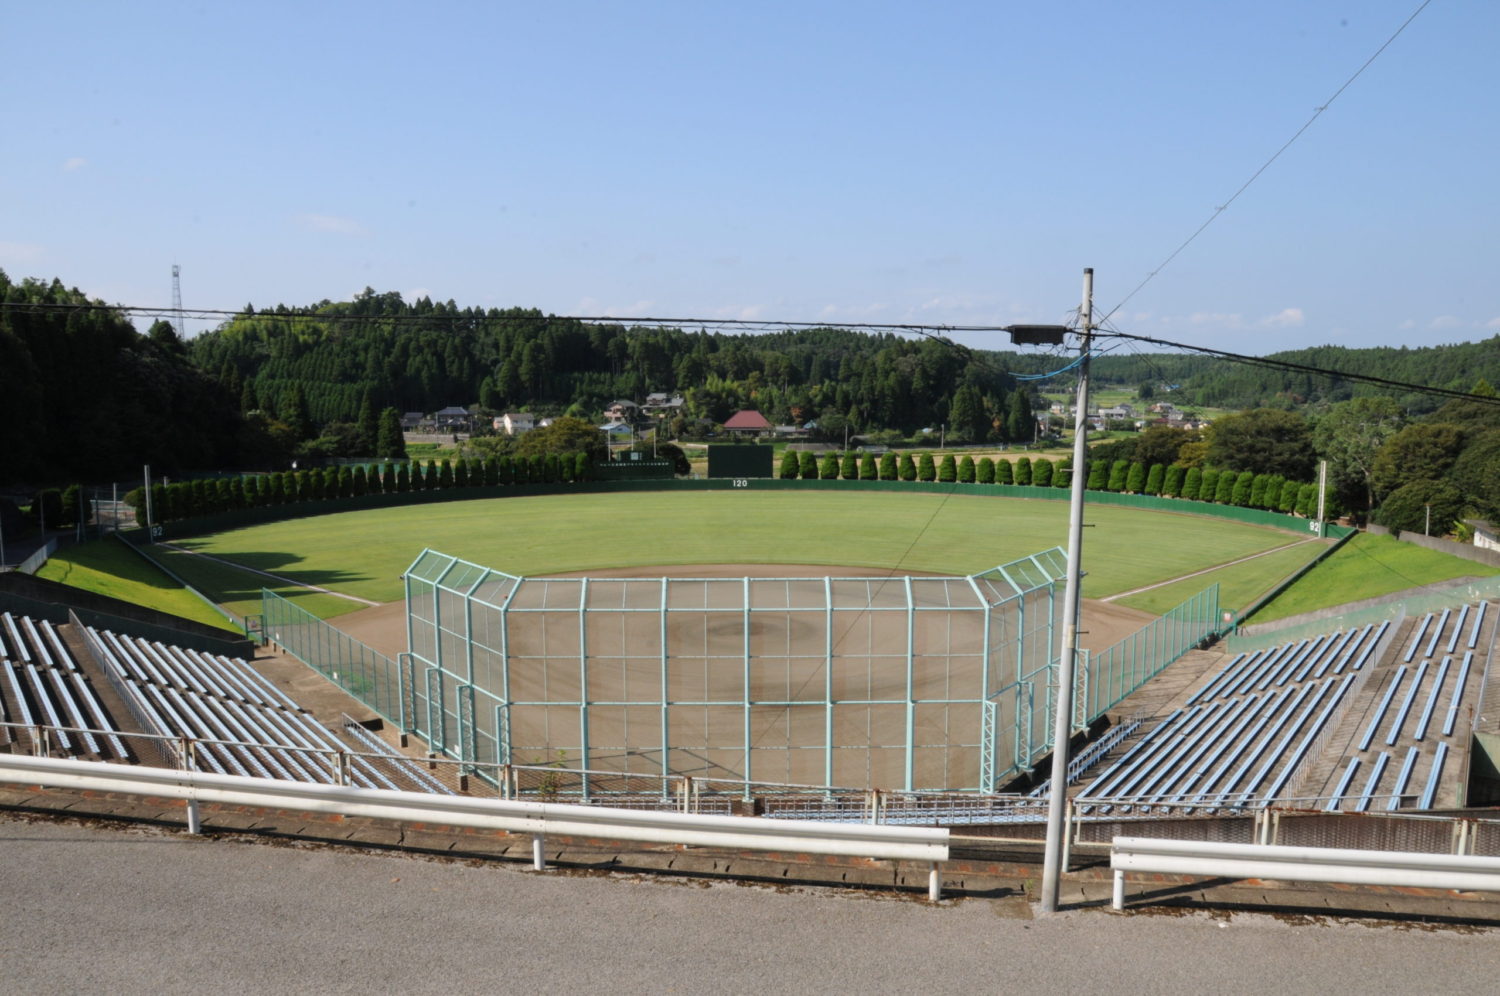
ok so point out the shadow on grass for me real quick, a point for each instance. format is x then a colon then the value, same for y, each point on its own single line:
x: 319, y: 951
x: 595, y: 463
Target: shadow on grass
x: 235, y: 580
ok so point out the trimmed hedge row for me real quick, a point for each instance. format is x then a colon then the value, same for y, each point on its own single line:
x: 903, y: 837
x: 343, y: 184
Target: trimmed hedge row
x: 195, y: 499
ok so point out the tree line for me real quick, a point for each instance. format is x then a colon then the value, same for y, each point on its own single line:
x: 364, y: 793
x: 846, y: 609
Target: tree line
x: 191, y: 499
x: 1425, y: 472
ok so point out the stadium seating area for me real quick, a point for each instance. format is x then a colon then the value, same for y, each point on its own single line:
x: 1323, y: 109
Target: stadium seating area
x: 1260, y: 728
x: 1241, y: 737
x: 239, y: 723
x: 44, y: 686
x: 1422, y: 714
x: 242, y: 724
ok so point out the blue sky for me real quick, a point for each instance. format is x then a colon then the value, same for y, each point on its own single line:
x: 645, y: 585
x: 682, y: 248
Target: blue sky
x: 946, y: 163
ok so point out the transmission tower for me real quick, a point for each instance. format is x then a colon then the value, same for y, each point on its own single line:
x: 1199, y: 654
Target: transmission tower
x: 177, y: 302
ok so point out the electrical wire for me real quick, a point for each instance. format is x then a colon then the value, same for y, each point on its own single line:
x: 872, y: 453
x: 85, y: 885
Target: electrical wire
x: 1303, y: 368
x: 1317, y: 113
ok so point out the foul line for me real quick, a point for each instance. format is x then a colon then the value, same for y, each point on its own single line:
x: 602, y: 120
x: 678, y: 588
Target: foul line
x: 267, y: 574
x: 1207, y: 570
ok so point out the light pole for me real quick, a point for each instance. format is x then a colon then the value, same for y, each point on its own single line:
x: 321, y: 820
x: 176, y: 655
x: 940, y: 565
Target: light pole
x: 1062, y: 726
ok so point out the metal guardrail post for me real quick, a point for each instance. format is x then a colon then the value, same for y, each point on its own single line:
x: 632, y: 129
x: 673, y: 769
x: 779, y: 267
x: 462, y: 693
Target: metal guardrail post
x: 1068, y: 828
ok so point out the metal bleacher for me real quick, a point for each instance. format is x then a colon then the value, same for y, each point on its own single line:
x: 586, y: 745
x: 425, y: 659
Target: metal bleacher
x: 43, y: 686
x: 239, y: 722
x: 1420, y: 713
x: 1243, y: 737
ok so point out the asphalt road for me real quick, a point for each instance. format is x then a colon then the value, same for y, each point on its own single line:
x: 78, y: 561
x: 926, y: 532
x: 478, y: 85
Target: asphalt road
x: 92, y: 908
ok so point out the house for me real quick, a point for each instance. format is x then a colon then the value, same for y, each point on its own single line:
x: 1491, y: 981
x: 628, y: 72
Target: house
x: 515, y: 423
x: 412, y: 421
x: 452, y: 419
x: 1486, y: 534
x: 622, y: 412
x: 661, y: 402
x: 618, y: 432
x: 748, y: 422
x: 1120, y: 412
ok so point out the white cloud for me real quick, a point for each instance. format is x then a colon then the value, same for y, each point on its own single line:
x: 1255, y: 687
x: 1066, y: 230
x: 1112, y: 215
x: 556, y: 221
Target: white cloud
x: 1226, y: 319
x: 330, y: 223
x: 416, y: 294
x: 591, y: 307
x: 1493, y: 323
x: 1442, y: 322
x: 737, y: 312
x: 1284, y: 319
x: 74, y: 164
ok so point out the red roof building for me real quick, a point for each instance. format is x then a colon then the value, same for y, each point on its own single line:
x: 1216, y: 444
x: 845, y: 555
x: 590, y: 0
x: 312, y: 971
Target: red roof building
x: 748, y: 420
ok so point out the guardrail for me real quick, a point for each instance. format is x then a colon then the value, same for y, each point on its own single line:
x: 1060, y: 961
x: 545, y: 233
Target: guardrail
x: 1299, y: 864
x: 536, y: 819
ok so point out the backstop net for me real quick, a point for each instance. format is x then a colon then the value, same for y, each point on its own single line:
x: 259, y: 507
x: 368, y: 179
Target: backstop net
x: 891, y: 682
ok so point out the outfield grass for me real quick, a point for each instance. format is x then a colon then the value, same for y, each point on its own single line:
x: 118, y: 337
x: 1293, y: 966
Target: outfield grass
x: 1239, y: 584
x: 363, y: 553
x: 239, y: 591
x: 109, y: 567
x: 1367, y: 566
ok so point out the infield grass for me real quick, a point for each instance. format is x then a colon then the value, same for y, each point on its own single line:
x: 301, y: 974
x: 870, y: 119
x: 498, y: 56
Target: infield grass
x: 364, y: 553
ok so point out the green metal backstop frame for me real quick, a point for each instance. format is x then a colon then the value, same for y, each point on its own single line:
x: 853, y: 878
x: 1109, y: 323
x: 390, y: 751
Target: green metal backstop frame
x: 916, y: 682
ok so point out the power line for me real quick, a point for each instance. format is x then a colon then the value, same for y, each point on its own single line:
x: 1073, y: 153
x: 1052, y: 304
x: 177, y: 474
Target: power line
x: 1317, y: 113
x: 1303, y: 368
x: 686, y: 324
x: 936, y: 332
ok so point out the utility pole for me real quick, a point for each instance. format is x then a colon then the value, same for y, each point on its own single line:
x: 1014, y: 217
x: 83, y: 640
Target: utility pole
x: 177, y: 302
x: 146, y: 493
x: 1322, y: 493
x: 1062, y: 726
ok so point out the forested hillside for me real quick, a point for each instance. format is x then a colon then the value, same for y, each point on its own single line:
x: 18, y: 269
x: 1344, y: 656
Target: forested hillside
x: 424, y: 356
x: 84, y: 397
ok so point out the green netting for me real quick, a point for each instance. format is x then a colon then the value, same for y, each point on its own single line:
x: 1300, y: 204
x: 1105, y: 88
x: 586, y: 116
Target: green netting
x: 1114, y: 673
x: 884, y: 681
x: 367, y: 674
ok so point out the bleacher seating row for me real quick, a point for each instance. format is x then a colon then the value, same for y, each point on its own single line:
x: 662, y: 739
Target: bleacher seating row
x: 46, y: 687
x: 1244, y: 735
x: 1091, y: 755
x: 1416, y: 720
x: 1295, y: 662
x: 1256, y: 724
x: 1228, y: 753
x: 241, y: 723
x: 409, y: 767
